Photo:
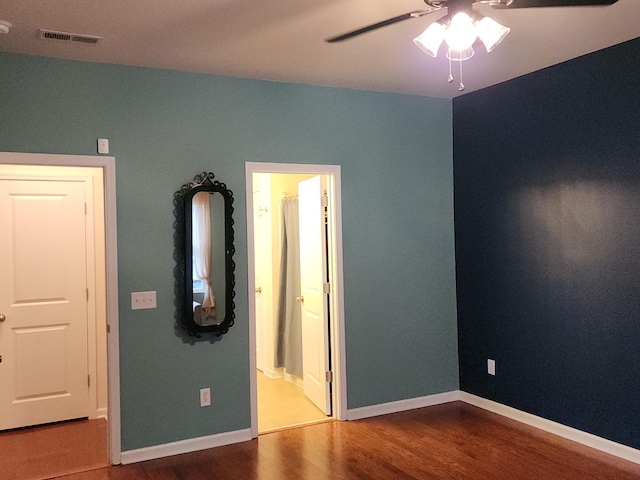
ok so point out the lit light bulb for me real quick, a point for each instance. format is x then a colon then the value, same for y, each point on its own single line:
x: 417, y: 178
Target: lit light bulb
x: 461, y: 32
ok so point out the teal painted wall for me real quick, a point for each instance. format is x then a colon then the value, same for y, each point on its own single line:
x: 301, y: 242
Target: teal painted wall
x: 164, y: 127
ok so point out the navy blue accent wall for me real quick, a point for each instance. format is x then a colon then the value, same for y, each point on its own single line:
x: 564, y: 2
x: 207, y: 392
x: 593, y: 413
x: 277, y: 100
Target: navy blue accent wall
x: 547, y: 225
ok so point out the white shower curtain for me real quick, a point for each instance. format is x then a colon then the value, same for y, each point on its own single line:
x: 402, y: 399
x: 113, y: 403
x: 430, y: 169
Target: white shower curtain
x: 289, y: 321
x: 201, y: 241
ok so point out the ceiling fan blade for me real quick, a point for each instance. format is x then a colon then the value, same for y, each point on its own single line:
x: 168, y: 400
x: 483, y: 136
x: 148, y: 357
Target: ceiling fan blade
x: 554, y: 3
x: 384, y: 23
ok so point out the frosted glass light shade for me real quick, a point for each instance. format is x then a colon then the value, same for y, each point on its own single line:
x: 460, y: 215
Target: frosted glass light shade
x: 491, y: 32
x: 430, y: 40
x: 461, y: 32
x: 460, y: 55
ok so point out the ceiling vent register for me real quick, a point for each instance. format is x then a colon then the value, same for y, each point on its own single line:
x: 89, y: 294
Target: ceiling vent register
x: 69, y: 37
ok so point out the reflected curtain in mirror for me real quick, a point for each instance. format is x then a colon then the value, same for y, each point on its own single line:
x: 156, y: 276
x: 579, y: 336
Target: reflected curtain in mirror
x: 201, y: 215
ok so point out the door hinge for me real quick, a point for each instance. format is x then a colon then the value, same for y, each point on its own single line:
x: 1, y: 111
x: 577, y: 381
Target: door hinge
x: 325, y: 205
x: 329, y: 376
x: 85, y: 208
x: 327, y: 287
x: 108, y: 328
x: 87, y: 294
x: 88, y: 380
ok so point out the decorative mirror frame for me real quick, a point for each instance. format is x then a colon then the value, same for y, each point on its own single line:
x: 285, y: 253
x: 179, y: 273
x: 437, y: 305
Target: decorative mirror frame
x: 183, y: 201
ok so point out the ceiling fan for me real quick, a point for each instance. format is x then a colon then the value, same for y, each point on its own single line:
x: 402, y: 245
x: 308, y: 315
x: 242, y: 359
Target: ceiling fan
x: 461, y: 27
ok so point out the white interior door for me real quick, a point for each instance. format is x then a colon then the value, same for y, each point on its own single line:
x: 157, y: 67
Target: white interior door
x: 43, y: 302
x: 313, y: 274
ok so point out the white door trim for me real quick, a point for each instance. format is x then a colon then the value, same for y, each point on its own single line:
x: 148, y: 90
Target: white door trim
x: 336, y: 299
x: 111, y: 261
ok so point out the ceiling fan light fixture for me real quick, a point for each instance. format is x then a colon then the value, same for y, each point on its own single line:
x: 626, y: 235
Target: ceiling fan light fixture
x: 490, y: 32
x: 430, y: 40
x: 462, y: 26
x: 461, y: 32
x: 460, y: 55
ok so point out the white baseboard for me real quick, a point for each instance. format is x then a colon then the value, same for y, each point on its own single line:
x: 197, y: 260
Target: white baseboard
x: 593, y: 441
x: 185, y: 446
x: 282, y: 373
x: 102, y: 413
x: 297, y: 381
x: 402, y: 405
x: 272, y: 373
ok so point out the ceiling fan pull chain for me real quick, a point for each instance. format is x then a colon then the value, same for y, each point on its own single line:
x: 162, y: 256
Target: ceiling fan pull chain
x: 450, y: 79
x: 461, y: 87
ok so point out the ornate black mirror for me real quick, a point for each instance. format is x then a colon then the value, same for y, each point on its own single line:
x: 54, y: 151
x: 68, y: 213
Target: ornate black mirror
x: 207, y: 226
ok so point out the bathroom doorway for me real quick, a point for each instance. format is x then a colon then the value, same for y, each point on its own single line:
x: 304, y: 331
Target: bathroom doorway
x: 295, y: 295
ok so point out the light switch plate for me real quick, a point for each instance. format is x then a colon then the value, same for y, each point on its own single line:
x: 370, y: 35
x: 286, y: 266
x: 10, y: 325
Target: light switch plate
x: 143, y: 300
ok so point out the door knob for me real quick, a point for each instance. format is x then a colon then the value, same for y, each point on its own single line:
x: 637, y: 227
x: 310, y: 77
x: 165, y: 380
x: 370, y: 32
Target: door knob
x: 2, y: 317
x: 259, y: 290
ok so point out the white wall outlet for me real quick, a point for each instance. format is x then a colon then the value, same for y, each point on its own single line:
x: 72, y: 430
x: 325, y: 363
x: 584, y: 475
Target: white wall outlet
x: 143, y: 300
x: 491, y: 366
x: 205, y: 397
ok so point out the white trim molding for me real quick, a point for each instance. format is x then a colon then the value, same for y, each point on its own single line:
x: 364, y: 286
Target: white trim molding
x: 588, y: 439
x: 402, y: 405
x: 185, y: 446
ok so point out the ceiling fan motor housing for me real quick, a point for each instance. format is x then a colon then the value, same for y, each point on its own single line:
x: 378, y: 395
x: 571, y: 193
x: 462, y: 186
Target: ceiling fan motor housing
x: 452, y: 5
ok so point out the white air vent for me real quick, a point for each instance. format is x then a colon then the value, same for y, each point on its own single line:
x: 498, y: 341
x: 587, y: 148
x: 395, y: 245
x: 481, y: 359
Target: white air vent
x: 69, y: 37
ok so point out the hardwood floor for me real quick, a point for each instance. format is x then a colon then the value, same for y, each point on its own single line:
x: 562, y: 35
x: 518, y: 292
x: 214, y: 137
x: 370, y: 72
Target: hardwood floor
x: 52, y: 450
x: 282, y: 404
x: 450, y: 441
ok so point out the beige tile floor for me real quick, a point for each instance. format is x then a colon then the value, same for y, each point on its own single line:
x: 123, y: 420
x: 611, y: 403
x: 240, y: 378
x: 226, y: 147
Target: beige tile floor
x: 281, y: 404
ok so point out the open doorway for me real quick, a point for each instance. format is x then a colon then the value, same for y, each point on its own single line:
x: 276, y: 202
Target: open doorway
x: 295, y: 301
x: 57, y: 312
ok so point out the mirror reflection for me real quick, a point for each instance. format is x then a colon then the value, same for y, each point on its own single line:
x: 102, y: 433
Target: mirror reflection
x: 208, y: 254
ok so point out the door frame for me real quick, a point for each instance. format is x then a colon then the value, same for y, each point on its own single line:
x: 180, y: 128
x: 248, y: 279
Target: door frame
x: 108, y: 166
x: 336, y: 299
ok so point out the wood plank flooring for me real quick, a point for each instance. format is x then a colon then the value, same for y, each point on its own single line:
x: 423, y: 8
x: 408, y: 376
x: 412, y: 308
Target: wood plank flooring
x: 450, y: 441
x: 52, y: 450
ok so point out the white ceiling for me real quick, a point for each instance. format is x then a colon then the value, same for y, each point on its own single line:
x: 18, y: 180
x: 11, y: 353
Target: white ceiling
x: 283, y: 40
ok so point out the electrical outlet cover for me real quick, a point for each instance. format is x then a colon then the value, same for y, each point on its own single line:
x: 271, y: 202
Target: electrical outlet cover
x: 205, y: 397
x: 491, y: 367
